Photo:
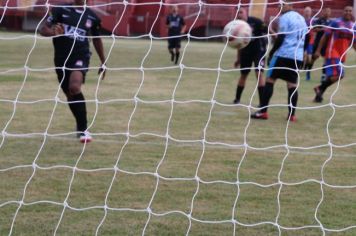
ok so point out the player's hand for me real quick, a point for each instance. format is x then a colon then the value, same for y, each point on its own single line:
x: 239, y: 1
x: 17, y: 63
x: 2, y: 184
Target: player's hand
x: 58, y: 29
x: 237, y: 63
x: 102, y: 70
x: 316, y: 55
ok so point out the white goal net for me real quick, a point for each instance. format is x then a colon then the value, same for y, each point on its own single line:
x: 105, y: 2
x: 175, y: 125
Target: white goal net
x: 171, y: 153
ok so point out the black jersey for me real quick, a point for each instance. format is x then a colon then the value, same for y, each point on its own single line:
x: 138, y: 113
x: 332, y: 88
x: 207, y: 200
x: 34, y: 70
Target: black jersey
x: 75, y: 32
x: 175, y: 23
x: 258, y: 29
x: 322, y: 22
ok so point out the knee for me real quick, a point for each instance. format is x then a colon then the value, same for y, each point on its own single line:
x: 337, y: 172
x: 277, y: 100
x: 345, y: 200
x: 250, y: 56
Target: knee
x: 269, y: 81
x: 74, y: 89
x: 75, y: 83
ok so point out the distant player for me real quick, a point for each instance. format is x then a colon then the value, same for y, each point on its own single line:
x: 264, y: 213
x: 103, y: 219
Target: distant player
x: 251, y: 54
x: 287, y: 52
x: 69, y: 26
x: 318, y: 32
x: 338, y: 39
x: 307, y: 14
x: 176, y: 27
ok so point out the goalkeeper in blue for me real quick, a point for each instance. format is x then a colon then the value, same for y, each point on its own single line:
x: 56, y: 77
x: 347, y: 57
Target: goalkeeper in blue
x: 285, y: 58
x: 69, y: 26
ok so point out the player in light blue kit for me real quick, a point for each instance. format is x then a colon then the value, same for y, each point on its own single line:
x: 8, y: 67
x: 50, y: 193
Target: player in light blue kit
x: 285, y: 58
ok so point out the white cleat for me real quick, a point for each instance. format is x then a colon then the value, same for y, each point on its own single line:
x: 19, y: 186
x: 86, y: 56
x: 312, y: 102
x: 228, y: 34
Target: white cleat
x: 85, y: 137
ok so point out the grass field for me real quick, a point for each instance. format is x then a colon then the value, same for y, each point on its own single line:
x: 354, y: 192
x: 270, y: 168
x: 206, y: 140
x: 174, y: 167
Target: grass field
x: 171, y: 154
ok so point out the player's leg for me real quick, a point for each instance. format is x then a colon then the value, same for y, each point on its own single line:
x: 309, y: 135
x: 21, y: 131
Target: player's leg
x: 291, y: 76
x: 272, y: 75
x: 71, y: 82
x: 292, y: 100
x: 266, y: 97
x: 177, y: 48
x: 308, y: 66
x: 323, y: 71
x: 323, y: 74
x: 77, y: 100
x: 260, y: 63
x: 240, y: 86
x: 245, y: 66
x: 78, y: 106
x: 333, y: 72
x: 177, y: 56
x: 261, y: 84
x: 171, y: 47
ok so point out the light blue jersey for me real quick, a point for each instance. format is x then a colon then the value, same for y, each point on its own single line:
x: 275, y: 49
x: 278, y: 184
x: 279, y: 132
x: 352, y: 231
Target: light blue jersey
x: 293, y: 25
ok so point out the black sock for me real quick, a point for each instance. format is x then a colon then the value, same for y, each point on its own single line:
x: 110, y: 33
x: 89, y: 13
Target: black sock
x: 323, y: 76
x: 260, y: 93
x: 79, y: 111
x: 172, y: 55
x: 294, y: 100
x: 239, y: 91
x: 324, y: 85
x: 177, y: 57
x: 267, y: 94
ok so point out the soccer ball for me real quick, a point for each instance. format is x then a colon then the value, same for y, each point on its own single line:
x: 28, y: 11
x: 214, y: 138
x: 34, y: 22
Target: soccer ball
x: 238, y: 33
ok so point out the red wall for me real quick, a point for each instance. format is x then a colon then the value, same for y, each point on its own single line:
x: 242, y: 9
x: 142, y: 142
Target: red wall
x: 138, y: 17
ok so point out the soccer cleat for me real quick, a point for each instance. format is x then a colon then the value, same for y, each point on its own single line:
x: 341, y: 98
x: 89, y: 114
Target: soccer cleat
x: 236, y: 101
x: 318, y: 97
x: 85, y: 137
x: 260, y: 115
x: 292, y: 118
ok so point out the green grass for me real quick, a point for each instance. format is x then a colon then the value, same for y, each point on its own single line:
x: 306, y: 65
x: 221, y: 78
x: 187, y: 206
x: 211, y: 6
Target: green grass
x: 295, y: 155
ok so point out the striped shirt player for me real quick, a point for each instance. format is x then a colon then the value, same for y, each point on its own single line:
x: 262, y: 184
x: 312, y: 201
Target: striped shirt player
x: 287, y: 52
x: 338, y: 38
x: 315, y: 35
x: 70, y: 26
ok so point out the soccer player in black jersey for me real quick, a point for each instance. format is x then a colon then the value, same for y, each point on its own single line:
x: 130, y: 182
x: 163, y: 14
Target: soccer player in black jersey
x: 251, y: 54
x: 176, y: 27
x: 324, y: 20
x: 307, y: 62
x: 70, y: 26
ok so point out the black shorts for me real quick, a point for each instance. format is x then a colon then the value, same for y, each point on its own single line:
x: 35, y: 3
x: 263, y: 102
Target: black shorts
x: 74, y: 63
x: 289, y: 74
x: 247, y: 59
x: 174, y: 42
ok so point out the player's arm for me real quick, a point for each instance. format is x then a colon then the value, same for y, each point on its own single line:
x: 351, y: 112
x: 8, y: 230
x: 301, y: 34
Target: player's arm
x: 52, y: 27
x: 99, y: 48
x: 238, y: 59
x: 184, y: 26
x: 168, y: 23
x: 277, y: 44
x: 283, y: 28
x: 325, y: 38
x: 51, y: 31
x: 322, y: 43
